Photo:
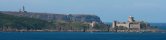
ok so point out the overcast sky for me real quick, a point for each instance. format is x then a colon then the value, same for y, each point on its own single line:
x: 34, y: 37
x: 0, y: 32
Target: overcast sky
x: 108, y: 10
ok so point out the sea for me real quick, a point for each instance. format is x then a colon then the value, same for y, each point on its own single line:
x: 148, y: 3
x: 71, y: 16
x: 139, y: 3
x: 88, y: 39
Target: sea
x: 86, y: 35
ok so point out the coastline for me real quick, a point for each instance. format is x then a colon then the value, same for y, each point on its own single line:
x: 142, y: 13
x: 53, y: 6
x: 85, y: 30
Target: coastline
x: 140, y: 31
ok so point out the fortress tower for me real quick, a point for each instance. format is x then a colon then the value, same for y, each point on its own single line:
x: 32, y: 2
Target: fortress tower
x: 131, y: 19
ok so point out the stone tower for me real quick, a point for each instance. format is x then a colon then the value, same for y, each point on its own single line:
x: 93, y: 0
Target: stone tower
x: 93, y: 24
x: 131, y: 19
x: 113, y: 24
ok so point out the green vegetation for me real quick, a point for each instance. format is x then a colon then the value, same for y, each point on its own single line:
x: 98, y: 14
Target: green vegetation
x: 13, y: 23
x: 9, y: 22
x: 61, y: 25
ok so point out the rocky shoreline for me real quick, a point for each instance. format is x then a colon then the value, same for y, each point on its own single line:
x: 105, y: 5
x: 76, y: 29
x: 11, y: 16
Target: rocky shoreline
x: 84, y: 31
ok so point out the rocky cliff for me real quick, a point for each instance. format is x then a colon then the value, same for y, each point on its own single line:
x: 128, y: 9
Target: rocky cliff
x: 56, y: 17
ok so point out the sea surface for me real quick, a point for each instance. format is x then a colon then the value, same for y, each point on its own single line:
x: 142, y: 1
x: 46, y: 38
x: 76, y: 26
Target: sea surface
x: 84, y: 35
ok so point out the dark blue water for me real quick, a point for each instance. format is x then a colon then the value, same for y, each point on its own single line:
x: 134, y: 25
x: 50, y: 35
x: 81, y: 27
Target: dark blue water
x: 83, y: 35
x: 80, y: 36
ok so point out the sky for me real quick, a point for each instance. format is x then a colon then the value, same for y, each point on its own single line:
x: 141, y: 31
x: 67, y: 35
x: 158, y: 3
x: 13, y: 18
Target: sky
x: 153, y: 11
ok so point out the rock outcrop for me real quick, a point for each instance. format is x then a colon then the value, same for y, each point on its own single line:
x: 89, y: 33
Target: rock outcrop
x: 55, y: 17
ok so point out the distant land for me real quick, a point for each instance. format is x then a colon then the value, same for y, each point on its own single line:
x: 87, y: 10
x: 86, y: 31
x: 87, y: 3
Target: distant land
x: 32, y: 21
x: 56, y: 17
x: 23, y: 21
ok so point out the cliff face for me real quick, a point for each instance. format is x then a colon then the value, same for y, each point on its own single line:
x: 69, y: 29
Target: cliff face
x: 54, y: 17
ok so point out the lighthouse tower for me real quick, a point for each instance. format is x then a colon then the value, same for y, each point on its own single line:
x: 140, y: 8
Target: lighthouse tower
x: 22, y: 10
